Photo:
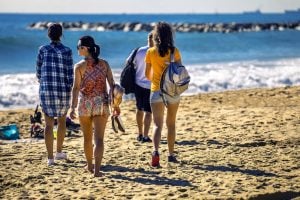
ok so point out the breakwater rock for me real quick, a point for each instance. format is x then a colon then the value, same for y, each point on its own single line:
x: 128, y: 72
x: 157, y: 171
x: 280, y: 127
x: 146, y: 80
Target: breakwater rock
x: 179, y: 27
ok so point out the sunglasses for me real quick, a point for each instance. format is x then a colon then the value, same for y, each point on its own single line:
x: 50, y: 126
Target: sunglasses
x: 80, y: 47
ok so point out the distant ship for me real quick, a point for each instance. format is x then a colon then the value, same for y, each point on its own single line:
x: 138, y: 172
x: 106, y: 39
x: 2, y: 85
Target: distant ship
x: 292, y: 11
x: 252, y: 12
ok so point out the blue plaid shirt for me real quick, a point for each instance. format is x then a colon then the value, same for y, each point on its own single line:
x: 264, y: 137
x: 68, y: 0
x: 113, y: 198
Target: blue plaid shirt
x: 54, y: 69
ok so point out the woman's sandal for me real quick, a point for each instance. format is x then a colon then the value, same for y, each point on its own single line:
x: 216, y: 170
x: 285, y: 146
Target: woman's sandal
x: 114, y: 124
x: 120, y: 123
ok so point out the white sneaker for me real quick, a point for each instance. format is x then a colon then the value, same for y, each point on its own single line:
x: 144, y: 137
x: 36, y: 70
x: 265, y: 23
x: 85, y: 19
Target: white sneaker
x: 60, y: 156
x: 50, y: 162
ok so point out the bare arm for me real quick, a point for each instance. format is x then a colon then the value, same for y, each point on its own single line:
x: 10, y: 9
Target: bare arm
x: 148, y: 71
x: 110, y: 77
x: 75, y: 90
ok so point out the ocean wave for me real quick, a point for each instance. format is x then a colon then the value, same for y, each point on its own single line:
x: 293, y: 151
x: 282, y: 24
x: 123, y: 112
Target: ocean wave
x: 21, y: 90
x: 18, y: 90
x: 242, y: 75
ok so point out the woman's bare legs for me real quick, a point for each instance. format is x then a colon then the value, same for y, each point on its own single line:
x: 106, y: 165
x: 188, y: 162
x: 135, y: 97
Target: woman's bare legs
x: 170, y: 121
x: 86, y: 124
x: 99, y: 125
x: 158, y: 120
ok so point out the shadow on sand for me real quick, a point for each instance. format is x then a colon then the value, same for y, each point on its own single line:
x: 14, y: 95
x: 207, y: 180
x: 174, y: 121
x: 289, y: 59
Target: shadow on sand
x: 252, y: 172
x: 155, y: 180
x: 146, y: 177
x: 183, y: 142
x: 276, y: 196
x: 109, y: 168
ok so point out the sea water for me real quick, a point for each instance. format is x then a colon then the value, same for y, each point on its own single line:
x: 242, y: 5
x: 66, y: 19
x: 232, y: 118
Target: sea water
x: 216, y: 61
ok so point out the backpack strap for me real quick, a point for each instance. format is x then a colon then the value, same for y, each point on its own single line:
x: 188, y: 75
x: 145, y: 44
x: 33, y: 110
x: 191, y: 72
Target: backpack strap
x: 172, y: 57
x: 133, y: 55
x: 162, y: 93
x: 164, y: 99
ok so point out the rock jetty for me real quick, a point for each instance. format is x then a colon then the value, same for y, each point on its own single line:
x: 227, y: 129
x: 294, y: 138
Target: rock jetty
x: 179, y: 27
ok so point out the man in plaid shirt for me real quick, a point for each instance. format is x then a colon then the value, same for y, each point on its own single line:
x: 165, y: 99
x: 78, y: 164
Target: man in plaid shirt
x: 54, y: 71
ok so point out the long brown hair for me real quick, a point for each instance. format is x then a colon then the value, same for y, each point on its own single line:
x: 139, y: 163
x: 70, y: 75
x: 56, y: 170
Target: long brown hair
x: 163, y: 38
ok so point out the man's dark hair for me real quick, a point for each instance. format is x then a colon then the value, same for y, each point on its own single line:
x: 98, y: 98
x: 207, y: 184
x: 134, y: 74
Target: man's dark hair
x: 55, y: 32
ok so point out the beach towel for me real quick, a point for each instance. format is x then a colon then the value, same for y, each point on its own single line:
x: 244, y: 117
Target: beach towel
x: 9, y: 132
x: 36, y: 130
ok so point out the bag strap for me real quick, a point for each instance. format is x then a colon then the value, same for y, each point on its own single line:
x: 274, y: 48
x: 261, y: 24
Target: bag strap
x: 133, y: 55
x: 162, y: 93
x: 164, y: 99
x: 161, y: 80
x: 172, y: 57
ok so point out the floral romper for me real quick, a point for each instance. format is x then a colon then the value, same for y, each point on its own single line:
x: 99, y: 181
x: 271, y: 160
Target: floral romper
x: 93, y: 97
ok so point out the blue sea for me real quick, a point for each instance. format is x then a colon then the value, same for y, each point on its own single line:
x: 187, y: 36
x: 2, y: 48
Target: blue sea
x: 216, y: 61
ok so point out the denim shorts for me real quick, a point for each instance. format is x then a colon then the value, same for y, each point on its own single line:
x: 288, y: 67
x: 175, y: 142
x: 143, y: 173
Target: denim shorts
x: 155, y: 97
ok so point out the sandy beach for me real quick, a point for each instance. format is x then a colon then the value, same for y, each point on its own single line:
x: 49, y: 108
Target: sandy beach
x: 231, y: 145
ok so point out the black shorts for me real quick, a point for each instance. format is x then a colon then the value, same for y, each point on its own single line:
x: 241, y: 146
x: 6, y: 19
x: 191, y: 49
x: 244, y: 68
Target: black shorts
x: 142, y: 96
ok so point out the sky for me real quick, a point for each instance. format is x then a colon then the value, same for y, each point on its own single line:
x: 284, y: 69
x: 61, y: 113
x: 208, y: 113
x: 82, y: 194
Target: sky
x: 145, y: 6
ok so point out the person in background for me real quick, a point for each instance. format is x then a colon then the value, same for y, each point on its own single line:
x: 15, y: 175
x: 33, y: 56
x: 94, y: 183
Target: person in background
x: 142, y: 93
x: 157, y: 59
x: 91, y: 75
x: 54, y: 71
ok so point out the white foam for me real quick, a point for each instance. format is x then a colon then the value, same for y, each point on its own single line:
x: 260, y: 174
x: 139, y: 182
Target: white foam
x: 18, y: 91
x: 21, y: 90
x: 247, y: 74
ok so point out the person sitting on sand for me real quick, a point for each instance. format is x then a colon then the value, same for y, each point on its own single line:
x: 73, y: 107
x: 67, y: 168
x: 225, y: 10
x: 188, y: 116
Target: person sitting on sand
x: 157, y: 59
x: 54, y: 71
x: 91, y: 75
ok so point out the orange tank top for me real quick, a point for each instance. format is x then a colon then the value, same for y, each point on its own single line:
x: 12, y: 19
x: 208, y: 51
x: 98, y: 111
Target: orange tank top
x: 94, y: 79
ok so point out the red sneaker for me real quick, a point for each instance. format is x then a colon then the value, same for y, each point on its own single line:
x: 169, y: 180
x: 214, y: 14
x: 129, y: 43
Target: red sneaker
x: 155, y: 159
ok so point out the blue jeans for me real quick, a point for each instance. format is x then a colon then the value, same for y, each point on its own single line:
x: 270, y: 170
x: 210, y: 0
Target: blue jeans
x: 155, y: 97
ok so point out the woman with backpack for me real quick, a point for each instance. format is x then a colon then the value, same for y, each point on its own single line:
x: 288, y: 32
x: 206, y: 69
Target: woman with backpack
x: 157, y: 59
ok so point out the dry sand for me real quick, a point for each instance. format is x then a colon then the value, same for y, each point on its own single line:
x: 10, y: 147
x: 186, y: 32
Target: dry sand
x: 231, y: 145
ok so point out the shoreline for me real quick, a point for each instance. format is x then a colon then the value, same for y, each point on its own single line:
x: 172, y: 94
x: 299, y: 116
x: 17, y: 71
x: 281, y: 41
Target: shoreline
x: 22, y: 112
x: 130, y: 97
x: 242, y: 144
x: 21, y: 90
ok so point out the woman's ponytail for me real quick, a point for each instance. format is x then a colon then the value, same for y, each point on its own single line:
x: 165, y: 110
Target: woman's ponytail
x: 93, y: 49
x: 95, y: 52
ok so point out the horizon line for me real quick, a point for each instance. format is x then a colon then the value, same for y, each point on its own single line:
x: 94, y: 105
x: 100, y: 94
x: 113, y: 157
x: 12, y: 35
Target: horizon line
x: 149, y: 13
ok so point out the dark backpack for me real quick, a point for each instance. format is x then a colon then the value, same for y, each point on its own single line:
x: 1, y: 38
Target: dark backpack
x: 127, y: 78
x: 36, y: 130
x: 174, y: 80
